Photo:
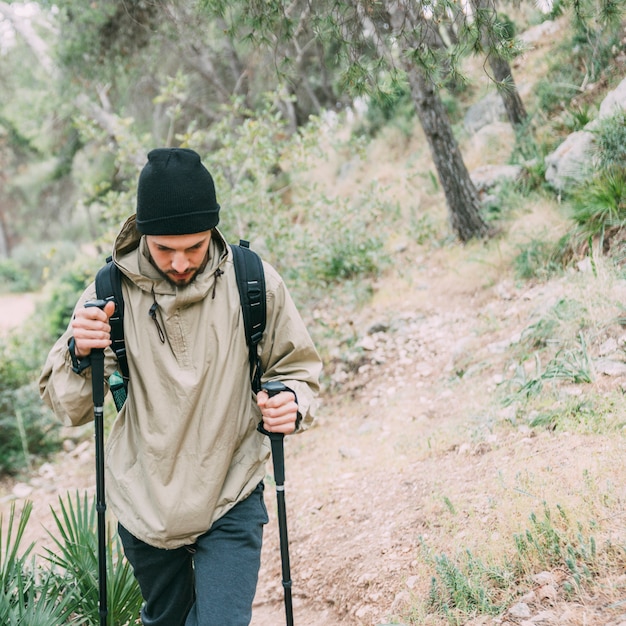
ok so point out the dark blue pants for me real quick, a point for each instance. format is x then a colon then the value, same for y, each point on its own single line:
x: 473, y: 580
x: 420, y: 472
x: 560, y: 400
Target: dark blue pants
x: 210, y: 583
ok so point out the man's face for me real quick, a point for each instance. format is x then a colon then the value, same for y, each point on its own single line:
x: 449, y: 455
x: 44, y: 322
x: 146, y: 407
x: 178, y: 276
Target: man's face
x: 179, y: 258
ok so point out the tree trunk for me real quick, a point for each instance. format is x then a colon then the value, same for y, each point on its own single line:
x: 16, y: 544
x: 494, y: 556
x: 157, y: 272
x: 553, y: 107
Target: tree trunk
x: 461, y: 195
x: 510, y: 96
x: 5, y: 250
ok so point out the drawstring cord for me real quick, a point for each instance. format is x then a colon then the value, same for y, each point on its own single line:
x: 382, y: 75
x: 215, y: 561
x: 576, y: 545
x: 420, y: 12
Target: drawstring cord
x: 155, y: 306
x: 218, y: 273
x: 153, y: 315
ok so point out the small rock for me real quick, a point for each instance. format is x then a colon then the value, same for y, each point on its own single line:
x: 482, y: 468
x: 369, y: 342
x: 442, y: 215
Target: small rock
x: 608, y: 347
x: 412, y: 581
x: 22, y: 490
x: 349, y: 453
x: 367, y: 343
x: 366, y: 579
x: 47, y: 471
x: 544, y: 578
x: 608, y: 367
x: 69, y: 445
x: 520, y: 611
x: 547, y: 593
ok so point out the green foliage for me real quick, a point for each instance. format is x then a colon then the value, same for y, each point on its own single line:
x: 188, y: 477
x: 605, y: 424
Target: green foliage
x: 553, y: 542
x: 539, y: 259
x: 547, y: 330
x: 99, y: 34
x: 27, y: 429
x: 26, y: 269
x: 350, y: 246
x: 28, y: 594
x: 462, y: 589
x: 590, y: 414
x: 393, y: 106
x: 67, y: 592
x: 599, y: 206
x: 53, y: 315
x: 581, y: 59
x: 76, y: 557
x: 577, y: 117
x: 569, y: 365
x: 465, y: 587
x: 598, y: 202
x: 13, y: 277
x: 610, y: 142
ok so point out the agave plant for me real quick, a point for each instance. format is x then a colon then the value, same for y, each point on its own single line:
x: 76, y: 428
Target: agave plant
x: 28, y: 593
x: 75, y: 562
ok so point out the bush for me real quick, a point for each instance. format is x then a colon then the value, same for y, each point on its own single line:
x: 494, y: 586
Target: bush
x: 540, y: 259
x: 27, y: 428
x: 599, y: 203
x: 394, y: 107
x: 69, y: 591
x: 599, y: 206
x: 13, y: 277
x: 610, y: 135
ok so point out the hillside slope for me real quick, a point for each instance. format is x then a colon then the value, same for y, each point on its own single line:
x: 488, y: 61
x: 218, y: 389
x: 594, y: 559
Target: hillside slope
x: 423, y: 449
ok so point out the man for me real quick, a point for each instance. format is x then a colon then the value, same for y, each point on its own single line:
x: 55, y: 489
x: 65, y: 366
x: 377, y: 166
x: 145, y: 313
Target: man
x: 185, y: 463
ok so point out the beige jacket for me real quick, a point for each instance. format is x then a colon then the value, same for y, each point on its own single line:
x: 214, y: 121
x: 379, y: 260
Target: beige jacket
x: 184, y: 448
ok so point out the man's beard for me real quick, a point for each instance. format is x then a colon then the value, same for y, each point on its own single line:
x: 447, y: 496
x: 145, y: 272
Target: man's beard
x: 170, y: 275
x: 182, y: 282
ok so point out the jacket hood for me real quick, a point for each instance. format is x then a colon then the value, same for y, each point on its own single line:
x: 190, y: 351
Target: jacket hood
x: 131, y: 255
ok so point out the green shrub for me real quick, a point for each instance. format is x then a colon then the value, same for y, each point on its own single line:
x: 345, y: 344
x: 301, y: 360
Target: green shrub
x: 68, y: 591
x: 28, y: 594
x: 610, y: 142
x: 392, y: 107
x: 14, y: 278
x: 27, y: 428
x: 75, y: 561
x: 38, y: 260
x: 53, y: 314
x: 540, y: 259
x: 599, y: 208
x: 464, y: 588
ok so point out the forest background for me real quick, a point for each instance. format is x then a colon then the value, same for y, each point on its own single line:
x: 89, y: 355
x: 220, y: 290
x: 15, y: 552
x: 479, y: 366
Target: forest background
x: 301, y: 111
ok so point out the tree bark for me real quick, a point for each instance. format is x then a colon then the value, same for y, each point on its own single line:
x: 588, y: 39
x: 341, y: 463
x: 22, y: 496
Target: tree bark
x: 513, y: 104
x: 461, y: 195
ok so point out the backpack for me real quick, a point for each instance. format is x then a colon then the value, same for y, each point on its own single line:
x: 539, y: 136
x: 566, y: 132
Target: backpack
x: 251, y: 284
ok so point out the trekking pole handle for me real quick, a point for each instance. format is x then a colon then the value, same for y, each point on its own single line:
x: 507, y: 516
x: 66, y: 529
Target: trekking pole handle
x: 97, y: 362
x: 273, y: 388
x: 95, y: 303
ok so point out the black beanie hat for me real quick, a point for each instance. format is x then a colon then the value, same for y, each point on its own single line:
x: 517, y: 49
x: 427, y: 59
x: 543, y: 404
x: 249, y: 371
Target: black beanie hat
x: 175, y: 194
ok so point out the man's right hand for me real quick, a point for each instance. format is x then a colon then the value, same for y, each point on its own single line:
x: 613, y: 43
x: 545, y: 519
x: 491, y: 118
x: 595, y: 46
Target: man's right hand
x: 91, y: 329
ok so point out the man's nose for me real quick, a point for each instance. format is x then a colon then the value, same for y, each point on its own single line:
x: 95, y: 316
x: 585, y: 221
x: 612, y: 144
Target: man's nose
x: 180, y: 263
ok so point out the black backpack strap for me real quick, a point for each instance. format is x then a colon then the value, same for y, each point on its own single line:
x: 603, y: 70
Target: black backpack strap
x: 251, y: 284
x: 109, y: 287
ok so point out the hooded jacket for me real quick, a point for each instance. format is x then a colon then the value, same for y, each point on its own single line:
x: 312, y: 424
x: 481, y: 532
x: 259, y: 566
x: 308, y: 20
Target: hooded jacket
x: 184, y: 449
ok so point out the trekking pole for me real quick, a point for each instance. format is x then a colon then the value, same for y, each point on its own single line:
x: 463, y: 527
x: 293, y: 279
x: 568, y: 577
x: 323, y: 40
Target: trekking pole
x: 278, y: 459
x: 97, y: 386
